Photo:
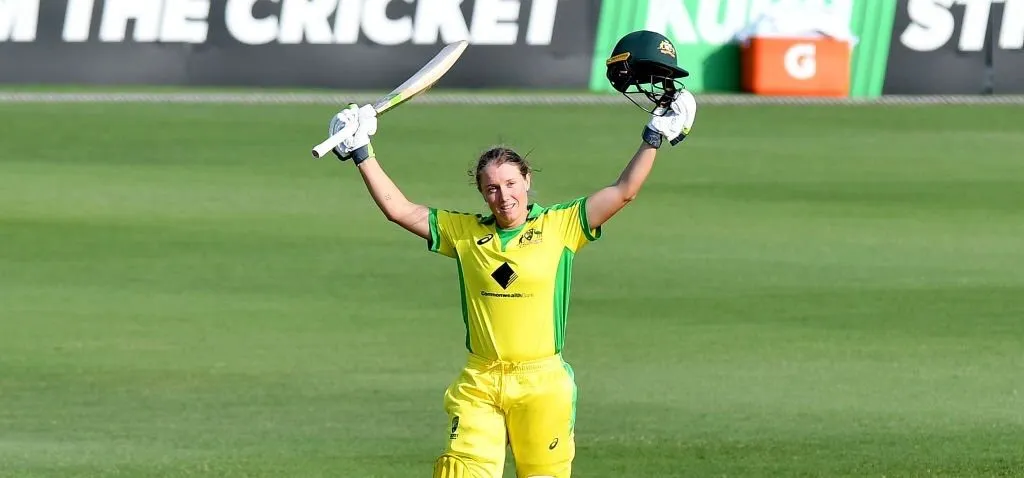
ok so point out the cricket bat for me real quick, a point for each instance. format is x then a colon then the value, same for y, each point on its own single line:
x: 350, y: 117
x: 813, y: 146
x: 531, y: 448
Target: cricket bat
x: 421, y: 81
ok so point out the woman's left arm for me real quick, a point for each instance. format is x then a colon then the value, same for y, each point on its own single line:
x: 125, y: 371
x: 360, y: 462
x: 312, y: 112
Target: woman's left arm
x: 607, y: 201
x: 675, y: 125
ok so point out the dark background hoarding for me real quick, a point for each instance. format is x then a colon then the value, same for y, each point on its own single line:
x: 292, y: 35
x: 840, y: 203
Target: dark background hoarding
x: 1009, y: 62
x: 942, y: 50
x: 370, y: 44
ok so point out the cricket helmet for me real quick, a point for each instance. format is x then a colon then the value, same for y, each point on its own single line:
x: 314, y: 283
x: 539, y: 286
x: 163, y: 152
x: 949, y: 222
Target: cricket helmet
x: 645, y: 62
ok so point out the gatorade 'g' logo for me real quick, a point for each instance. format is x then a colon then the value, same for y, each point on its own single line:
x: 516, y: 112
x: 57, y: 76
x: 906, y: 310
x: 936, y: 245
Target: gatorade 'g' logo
x: 800, y: 61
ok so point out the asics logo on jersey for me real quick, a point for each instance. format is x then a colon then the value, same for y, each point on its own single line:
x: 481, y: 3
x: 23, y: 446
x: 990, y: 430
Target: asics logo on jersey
x: 484, y: 240
x: 504, y: 275
x: 553, y: 444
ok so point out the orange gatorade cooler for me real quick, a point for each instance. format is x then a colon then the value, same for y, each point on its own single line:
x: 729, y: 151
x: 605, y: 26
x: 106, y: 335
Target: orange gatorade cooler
x: 795, y: 66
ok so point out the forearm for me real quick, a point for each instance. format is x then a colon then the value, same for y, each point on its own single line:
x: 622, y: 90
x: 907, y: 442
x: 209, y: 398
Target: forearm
x: 607, y: 201
x: 384, y: 192
x: 636, y: 172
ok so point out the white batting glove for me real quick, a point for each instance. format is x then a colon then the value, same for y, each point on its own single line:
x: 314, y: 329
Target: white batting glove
x: 673, y: 123
x: 358, y: 145
x: 344, y: 118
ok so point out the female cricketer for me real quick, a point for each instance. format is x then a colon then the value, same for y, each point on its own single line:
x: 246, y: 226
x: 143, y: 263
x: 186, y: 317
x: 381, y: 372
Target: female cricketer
x: 514, y: 272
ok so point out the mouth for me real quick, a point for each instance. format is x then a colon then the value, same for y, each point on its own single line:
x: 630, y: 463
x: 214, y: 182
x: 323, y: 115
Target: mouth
x: 508, y: 207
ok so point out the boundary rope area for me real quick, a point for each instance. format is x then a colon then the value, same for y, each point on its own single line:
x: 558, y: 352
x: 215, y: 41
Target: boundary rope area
x: 482, y: 98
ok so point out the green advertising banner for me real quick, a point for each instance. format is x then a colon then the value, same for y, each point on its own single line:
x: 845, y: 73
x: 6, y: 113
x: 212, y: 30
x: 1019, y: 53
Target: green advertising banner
x: 704, y: 33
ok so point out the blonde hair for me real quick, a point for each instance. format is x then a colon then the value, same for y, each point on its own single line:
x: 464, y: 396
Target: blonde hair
x: 498, y: 155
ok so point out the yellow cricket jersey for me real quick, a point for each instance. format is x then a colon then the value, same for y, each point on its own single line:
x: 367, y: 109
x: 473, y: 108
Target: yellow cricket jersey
x: 514, y: 283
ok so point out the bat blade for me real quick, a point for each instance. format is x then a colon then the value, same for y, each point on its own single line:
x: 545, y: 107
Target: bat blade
x: 421, y: 81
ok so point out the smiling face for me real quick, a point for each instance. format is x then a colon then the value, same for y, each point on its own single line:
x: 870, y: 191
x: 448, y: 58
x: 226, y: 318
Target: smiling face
x: 503, y: 179
x: 505, y: 190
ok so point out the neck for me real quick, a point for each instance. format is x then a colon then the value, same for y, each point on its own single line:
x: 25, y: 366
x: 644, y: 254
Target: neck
x: 511, y: 225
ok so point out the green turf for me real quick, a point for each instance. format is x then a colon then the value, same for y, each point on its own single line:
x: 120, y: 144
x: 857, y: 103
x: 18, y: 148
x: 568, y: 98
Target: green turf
x: 796, y: 292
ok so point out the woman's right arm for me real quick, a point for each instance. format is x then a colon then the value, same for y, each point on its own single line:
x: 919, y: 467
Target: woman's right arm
x: 415, y: 218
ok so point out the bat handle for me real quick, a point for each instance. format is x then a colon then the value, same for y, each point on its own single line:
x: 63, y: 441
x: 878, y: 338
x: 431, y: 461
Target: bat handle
x: 328, y: 144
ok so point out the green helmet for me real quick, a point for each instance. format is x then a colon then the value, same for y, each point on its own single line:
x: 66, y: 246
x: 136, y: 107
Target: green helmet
x: 645, y: 59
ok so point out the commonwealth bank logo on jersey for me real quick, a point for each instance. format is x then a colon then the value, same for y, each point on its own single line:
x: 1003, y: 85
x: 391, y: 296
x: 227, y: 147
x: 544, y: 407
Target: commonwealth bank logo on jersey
x: 504, y: 275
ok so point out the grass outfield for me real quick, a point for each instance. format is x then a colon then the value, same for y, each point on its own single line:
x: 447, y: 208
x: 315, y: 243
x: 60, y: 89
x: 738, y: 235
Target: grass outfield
x: 797, y: 291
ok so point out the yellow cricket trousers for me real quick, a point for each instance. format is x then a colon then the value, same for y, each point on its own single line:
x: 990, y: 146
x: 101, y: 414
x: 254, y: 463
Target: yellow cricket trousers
x: 527, y: 406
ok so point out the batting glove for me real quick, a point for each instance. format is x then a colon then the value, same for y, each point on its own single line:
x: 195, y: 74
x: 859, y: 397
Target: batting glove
x: 673, y: 123
x: 357, y: 147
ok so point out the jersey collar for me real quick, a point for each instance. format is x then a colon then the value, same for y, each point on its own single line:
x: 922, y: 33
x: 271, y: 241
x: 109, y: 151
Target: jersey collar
x: 533, y: 211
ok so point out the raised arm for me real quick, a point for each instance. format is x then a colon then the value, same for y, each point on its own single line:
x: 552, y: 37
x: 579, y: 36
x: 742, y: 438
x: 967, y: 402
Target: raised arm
x: 607, y: 201
x: 399, y: 210
x: 413, y: 217
x: 675, y: 124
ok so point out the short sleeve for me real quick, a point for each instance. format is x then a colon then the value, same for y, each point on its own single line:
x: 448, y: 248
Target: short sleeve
x: 573, y: 224
x: 446, y: 227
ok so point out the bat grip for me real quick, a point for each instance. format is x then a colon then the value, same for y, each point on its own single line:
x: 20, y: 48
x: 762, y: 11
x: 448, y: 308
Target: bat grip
x: 328, y: 144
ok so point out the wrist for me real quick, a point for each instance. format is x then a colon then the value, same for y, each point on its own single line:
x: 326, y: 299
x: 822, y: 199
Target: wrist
x: 362, y: 154
x: 651, y: 137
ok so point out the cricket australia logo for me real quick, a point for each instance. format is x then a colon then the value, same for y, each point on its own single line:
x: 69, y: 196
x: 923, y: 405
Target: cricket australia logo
x: 533, y: 236
x: 455, y: 428
x: 504, y: 275
x: 667, y: 48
